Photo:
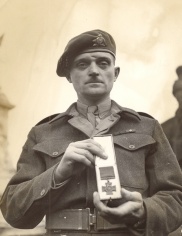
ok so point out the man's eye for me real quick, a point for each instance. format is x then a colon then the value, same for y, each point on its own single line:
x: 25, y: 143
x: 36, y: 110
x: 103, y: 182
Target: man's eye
x: 103, y: 63
x: 82, y: 65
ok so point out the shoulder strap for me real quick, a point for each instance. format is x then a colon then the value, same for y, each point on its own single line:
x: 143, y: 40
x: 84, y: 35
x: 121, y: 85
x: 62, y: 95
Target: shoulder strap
x: 47, y: 119
x: 145, y: 114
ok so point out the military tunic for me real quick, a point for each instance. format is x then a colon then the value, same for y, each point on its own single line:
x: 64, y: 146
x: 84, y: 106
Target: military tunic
x: 146, y: 164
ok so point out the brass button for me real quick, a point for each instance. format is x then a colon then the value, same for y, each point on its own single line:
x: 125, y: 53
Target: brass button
x: 132, y: 146
x: 55, y: 153
x: 42, y: 192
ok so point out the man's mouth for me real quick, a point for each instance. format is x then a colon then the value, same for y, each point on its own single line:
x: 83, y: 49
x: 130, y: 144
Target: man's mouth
x: 94, y: 82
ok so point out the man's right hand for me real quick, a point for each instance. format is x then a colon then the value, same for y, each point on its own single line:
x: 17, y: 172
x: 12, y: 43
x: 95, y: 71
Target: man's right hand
x: 76, y: 157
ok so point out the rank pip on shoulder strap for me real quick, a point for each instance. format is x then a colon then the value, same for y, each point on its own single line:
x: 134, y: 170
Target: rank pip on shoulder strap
x: 107, y: 176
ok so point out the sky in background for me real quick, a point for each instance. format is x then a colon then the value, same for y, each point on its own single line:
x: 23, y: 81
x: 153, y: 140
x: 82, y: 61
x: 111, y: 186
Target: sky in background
x: 148, y: 35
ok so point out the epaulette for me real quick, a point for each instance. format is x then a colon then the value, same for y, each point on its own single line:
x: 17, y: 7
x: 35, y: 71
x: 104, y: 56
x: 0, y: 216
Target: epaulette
x: 47, y: 119
x: 145, y: 114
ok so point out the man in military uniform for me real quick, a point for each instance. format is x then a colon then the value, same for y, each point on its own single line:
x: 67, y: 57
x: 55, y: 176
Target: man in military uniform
x: 56, y: 171
x: 173, y: 127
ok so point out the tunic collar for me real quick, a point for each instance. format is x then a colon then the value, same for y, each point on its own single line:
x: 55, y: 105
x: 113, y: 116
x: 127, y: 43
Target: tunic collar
x: 115, y: 108
x: 103, y: 108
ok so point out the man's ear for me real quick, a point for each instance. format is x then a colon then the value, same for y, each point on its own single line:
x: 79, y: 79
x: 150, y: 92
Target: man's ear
x: 117, y: 70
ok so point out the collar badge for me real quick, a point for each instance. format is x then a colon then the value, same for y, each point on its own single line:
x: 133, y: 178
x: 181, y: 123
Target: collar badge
x: 99, y: 41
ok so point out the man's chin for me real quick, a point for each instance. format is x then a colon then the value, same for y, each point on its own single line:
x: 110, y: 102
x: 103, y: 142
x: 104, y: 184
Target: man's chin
x: 96, y: 96
x: 96, y: 93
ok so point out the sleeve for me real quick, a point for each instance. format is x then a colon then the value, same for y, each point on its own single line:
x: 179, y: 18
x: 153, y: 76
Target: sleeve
x: 26, y: 197
x: 164, y: 204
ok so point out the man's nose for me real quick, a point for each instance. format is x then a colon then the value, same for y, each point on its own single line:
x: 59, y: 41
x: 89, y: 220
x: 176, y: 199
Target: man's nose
x: 93, y: 69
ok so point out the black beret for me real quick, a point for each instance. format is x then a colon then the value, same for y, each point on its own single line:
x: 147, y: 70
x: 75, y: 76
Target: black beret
x: 95, y: 40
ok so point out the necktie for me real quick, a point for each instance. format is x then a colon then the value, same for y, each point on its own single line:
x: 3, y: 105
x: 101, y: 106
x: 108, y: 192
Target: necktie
x: 91, y: 115
x: 91, y: 177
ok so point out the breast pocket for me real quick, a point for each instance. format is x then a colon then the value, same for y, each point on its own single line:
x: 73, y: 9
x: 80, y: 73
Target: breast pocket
x: 131, y: 152
x: 51, y: 150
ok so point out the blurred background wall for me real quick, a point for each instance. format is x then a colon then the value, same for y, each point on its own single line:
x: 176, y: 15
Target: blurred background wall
x: 34, y: 33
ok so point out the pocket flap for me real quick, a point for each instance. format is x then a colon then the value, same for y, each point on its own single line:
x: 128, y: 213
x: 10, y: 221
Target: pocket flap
x: 51, y: 147
x: 133, y: 141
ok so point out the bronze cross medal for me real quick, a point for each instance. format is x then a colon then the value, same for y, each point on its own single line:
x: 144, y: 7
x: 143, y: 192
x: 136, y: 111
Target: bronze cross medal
x: 109, y: 189
x: 107, y: 173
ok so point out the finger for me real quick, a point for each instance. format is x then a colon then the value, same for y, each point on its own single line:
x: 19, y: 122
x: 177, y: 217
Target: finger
x: 131, y: 196
x: 109, y: 214
x: 97, y: 149
x: 93, y: 142
x: 134, y: 204
x: 122, y: 210
x: 101, y: 207
x: 86, y: 154
x: 81, y: 159
x: 91, y: 146
x: 98, y: 204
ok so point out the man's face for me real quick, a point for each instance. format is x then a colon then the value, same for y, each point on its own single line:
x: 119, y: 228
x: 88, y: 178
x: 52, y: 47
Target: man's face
x: 93, y: 75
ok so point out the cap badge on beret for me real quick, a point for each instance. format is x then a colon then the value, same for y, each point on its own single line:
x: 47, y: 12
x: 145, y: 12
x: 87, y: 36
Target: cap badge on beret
x: 99, y: 41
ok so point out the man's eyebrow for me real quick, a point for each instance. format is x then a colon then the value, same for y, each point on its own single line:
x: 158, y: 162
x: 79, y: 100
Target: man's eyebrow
x: 80, y: 60
x: 108, y: 59
x: 99, y: 58
x: 104, y: 58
